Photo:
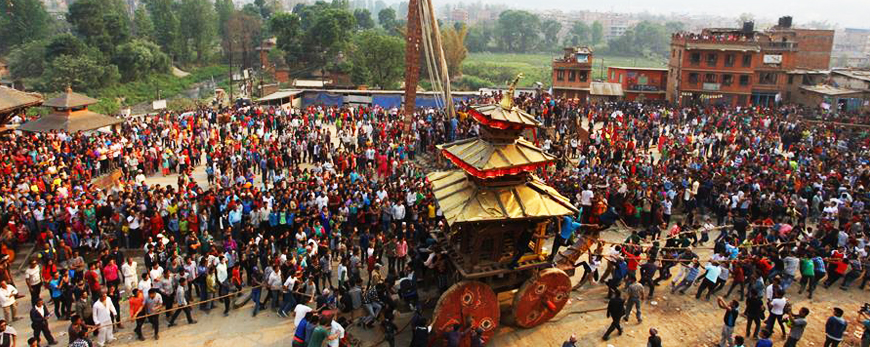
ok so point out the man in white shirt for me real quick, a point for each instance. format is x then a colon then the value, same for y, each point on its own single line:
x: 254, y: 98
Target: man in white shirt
x: 7, y: 301
x: 129, y: 270
x: 145, y: 284
x: 337, y: 331
x: 33, y: 278
x: 156, y: 271
x: 103, y: 312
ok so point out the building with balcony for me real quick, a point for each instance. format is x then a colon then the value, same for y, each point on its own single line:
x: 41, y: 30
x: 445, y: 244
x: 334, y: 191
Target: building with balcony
x: 640, y: 83
x: 742, y: 67
x: 572, y: 74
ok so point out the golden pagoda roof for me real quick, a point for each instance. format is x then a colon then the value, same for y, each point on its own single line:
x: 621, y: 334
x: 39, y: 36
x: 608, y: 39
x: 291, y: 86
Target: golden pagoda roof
x: 484, y: 159
x: 496, y: 113
x: 70, y: 99
x: 461, y: 200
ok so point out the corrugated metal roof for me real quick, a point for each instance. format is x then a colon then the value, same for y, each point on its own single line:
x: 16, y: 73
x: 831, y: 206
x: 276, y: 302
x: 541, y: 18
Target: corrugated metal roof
x: 309, y: 83
x: 856, y: 74
x: 462, y: 201
x: 605, y: 89
x: 483, y: 155
x: 11, y: 99
x: 829, y: 90
x: 279, y: 95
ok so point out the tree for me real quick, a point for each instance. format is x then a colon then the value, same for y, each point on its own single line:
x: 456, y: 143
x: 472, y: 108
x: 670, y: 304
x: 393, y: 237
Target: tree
x: 377, y: 59
x: 550, y: 28
x: 364, y: 19
x: 143, y: 27
x: 82, y: 72
x: 288, y: 30
x: 387, y: 18
x: 674, y: 26
x: 224, y: 10
x: 140, y: 58
x: 22, y: 21
x: 244, y: 36
x: 454, y: 49
x: 518, y: 30
x: 578, y: 35
x: 64, y: 44
x: 328, y: 34
x: 25, y: 60
x: 167, y: 27
x: 642, y: 39
x: 103, y: 24
x: 478, y: 38
x: 199, y: 29
x: 597, y: 33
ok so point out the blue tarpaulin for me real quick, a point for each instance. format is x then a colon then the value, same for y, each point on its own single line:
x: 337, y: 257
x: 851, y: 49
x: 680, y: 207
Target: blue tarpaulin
x: 429, y: 101
x: 322, y: 99
x: 387, y: 101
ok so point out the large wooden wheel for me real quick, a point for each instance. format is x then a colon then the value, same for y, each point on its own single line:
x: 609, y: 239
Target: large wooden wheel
x: 541, y: 297
x: 467, y: 301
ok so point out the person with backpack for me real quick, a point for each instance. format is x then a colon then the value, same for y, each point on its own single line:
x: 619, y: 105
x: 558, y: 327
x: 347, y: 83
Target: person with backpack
x: 619, y: 272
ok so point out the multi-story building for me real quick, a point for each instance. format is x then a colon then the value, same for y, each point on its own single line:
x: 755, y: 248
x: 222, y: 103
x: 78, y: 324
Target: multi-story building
x: 572, y: 74
x: 640, y: 83
x: 742, y: 67
x: 459, y: 15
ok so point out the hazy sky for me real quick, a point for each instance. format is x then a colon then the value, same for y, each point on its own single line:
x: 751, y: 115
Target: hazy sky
x: 846, y: 13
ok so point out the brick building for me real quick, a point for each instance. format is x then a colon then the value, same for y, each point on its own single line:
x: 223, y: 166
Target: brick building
x: 742, y: 67
x: 572, y: 74
x: 640, y: 83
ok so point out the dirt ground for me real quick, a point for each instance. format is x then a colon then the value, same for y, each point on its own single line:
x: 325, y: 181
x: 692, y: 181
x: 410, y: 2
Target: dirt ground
x: 680, y: 319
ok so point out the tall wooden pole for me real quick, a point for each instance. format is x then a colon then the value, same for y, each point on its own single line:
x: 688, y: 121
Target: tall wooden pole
x: 412, y: 59
x: 438, y: 47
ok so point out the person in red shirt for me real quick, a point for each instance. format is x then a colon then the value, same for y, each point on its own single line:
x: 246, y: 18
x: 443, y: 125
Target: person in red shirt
x: 92, y: 278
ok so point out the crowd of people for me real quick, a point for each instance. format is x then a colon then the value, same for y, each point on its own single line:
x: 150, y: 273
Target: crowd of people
x: 322, y: 211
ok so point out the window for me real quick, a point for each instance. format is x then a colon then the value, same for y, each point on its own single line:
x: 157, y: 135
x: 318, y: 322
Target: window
x: 711, y: 59
x: 741, y: 100
x: 693, y: 78
x: 729, y: 60
x: 790, y: 79
x: 695, y: 58
x: 767, y: 78
x: 744, y: 80
x: 572, y: 75
x: 620, y: 78
x: 673, y: 53
x: 727, y: 79
x: 560, y: 75
x: 747, y: 60
x: 584, y: 75
x: 613, y: 75
x: 709, y: 78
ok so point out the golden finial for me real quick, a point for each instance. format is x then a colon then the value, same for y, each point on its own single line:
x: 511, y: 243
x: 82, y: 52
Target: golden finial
x: 507, y: 100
